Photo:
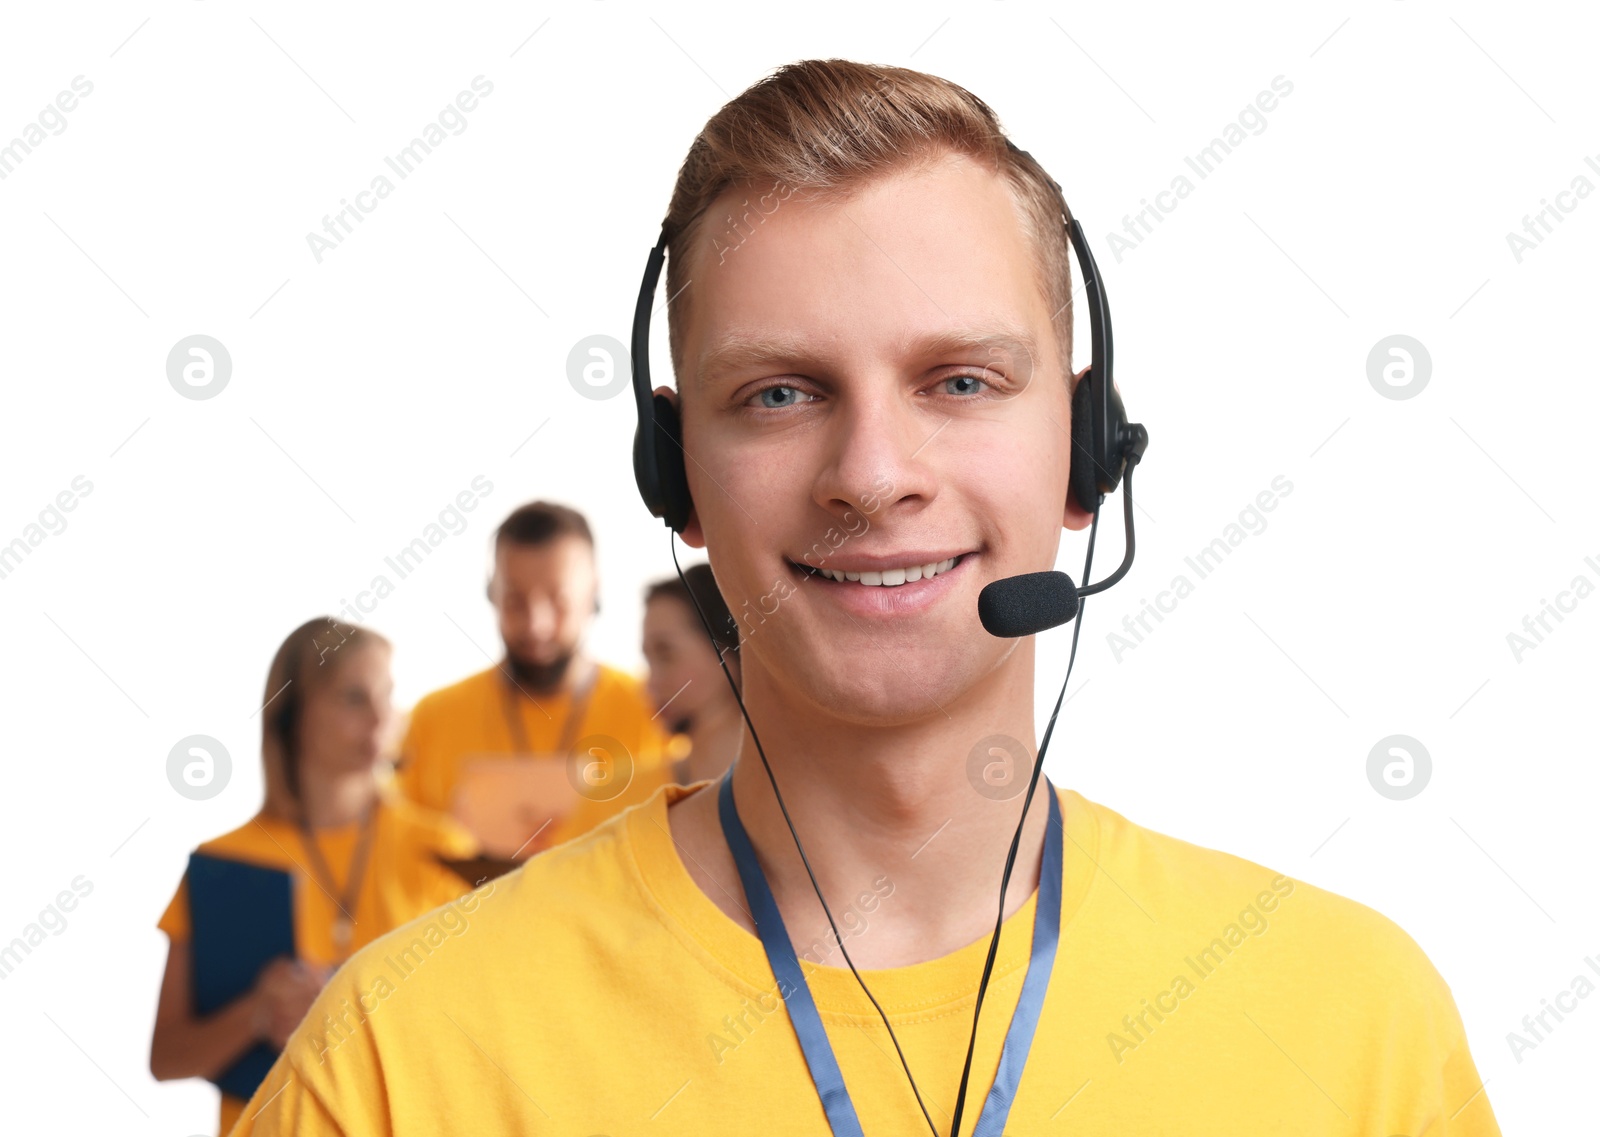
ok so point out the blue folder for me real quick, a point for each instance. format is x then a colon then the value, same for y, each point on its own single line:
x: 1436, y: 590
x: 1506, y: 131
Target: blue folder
x: 242, y: 916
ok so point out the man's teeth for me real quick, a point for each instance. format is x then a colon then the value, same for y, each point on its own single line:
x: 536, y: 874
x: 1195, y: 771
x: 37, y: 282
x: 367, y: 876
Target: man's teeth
x: 890, y: 578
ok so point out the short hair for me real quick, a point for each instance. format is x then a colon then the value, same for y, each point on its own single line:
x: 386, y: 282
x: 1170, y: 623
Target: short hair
x: 699, y: 585
x: 541, y: 522
x: 827, y: 127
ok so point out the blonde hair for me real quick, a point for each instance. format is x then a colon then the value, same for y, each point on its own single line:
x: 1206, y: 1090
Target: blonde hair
x: 828, y: 126
x: 304, y: 661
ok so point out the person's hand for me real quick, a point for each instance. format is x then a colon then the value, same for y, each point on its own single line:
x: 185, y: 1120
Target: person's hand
x: 284, y: 992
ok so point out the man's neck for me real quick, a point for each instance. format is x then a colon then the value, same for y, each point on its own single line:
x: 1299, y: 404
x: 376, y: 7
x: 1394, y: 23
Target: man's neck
x: 892, y: 810
x: 715, y: 735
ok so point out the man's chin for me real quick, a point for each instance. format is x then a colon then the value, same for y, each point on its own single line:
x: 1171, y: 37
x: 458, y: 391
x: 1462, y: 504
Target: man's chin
x: 895, y: 696
x: 539, y: 676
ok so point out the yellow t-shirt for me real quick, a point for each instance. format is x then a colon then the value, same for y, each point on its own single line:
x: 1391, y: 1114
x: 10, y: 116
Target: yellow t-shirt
x: 402, y: 880
x: 598, y: 990
x: 468, y: 720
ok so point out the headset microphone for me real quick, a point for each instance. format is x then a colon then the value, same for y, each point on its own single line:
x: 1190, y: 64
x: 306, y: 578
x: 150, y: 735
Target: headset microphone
x: 1028, y: 604
x: 1105, y: 448
x: 1034, y: 602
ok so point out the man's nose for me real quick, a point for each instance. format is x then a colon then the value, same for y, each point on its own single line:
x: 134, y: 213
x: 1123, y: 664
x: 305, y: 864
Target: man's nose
x: 878, y: 455
x: 542, y: 620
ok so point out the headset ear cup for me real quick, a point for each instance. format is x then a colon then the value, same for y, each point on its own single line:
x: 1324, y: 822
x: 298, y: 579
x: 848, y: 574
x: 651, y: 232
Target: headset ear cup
x: 674, y: 479
x: 1084, y: 483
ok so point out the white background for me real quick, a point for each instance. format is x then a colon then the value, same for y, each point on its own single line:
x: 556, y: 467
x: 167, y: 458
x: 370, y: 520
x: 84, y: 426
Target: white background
x: 369, y: 389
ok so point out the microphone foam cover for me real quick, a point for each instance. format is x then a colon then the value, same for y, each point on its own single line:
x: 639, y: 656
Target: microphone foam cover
x: 1028, y: 604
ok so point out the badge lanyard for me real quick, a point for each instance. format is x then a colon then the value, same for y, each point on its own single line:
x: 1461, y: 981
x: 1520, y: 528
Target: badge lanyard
x: 346, y: 903
x: 803, y: 1009
x: 569, y: 725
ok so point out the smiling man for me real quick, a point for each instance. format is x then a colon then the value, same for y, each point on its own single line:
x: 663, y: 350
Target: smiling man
x: 871, y: 330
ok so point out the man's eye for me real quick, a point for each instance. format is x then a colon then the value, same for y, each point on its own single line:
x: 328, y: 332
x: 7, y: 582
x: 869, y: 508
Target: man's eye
x: 776, y: 397
x: 969, y: 384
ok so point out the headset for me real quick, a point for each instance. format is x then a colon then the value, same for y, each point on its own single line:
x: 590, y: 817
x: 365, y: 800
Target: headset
x: 1102, y: 437
x: 1105, y: 448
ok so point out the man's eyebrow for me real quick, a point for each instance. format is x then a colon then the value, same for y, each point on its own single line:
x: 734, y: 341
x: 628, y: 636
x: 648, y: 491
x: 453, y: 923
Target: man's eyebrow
x: 737, y: 351
x: 1003, y: 338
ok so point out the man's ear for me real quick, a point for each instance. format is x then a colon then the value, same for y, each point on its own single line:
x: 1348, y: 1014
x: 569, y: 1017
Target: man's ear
x: 691, y: 535
x: 1074, y: 516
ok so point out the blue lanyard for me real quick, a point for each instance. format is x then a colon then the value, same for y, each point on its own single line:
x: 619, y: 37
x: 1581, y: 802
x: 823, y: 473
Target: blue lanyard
x: 803, y: 1009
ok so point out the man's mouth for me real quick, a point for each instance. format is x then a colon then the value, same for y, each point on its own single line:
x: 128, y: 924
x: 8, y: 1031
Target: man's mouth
x: 884, y: 572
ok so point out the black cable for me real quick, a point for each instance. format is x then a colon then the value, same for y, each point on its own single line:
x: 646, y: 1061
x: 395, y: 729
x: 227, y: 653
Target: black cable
x: 1016, y: 841
x: 815, y: 887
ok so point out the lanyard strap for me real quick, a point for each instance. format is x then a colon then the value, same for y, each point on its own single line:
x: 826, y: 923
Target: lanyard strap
x: 802, y: 1008
x: 346, y: 903
x: 569, y: 725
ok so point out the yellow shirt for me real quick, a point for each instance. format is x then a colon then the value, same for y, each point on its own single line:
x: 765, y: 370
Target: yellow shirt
x: 598, y: 990
x: 402, y: 880
x: 469, y: 720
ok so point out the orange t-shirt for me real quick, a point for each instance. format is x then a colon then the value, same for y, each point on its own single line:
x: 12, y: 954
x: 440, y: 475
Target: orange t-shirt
x: 471, y: 720
x: 403, y: 880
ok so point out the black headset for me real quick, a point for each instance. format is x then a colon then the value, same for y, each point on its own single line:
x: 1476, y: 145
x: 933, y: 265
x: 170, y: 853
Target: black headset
x: 1101, y: 434
x: 1104, y: 447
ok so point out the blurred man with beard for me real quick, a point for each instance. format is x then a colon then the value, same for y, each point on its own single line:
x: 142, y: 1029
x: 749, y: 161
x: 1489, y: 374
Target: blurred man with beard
x: 548, y: 742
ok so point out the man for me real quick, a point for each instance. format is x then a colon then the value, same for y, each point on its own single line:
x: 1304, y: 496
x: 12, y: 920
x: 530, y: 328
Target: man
x: 585, y: 732
x: 892, y: 339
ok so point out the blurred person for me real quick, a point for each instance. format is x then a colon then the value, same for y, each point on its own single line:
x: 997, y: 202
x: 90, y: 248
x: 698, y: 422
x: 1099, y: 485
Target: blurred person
x: 686, y: 680
x: 585, y: 732
x: 363, y: 860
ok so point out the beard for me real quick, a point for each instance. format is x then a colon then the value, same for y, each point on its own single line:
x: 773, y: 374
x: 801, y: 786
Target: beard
x: 540, y: 676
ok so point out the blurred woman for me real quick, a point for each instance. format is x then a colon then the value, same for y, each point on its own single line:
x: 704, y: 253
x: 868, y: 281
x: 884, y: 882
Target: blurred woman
x: 363, y: 861
x: 686, y: 680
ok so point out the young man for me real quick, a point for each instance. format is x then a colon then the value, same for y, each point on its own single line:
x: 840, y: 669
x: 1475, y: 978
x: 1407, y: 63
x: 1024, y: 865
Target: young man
x: 891, y: 341
x: 546, y: 699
